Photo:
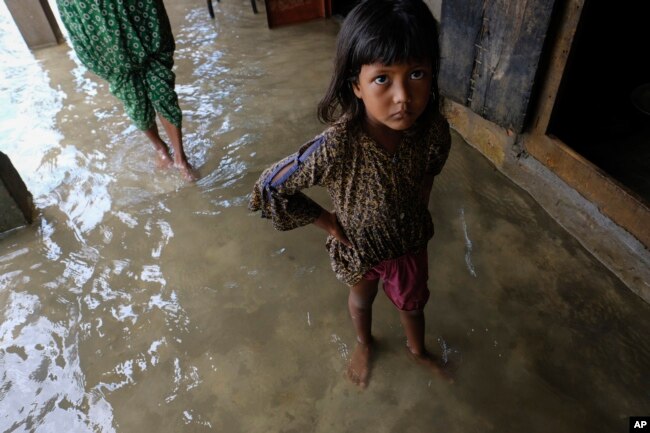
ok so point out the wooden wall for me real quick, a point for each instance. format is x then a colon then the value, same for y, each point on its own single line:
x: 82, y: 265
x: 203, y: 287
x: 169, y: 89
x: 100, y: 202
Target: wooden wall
x: 490, y: 51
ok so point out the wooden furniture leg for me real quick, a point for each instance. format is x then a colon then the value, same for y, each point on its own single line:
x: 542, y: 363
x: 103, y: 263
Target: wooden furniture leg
x: 210, y: 9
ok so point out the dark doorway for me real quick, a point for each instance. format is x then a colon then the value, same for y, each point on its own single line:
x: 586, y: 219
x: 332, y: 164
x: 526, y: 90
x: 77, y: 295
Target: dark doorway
x: 600, y: 110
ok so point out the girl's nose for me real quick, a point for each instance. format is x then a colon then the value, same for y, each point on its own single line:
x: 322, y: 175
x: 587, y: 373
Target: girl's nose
x: 401, y: 94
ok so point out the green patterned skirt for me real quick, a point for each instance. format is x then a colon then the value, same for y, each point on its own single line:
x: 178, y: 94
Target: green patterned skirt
x: 130, y: 44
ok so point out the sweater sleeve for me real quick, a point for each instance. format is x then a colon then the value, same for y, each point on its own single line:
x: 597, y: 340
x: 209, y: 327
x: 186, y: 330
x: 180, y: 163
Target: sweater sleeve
x: 439, y: 144
x: 280, y: 199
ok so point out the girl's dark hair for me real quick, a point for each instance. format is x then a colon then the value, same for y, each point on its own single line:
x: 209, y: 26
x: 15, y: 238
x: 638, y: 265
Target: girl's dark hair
x: 379, y: 31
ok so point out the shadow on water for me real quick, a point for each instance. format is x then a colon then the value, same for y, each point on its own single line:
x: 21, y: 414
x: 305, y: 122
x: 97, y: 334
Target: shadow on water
x: 138, y: 302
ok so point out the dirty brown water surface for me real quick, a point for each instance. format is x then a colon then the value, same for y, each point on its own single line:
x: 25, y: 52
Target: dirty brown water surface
x: 138, y: 302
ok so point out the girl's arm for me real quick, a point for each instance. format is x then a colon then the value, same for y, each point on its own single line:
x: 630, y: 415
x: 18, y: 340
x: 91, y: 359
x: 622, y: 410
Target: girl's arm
x: 328, y: 222
x: 278, y: 191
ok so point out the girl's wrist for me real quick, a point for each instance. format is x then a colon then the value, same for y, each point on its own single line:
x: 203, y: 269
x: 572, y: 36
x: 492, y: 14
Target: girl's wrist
x: 324, y: 220
x: 331, y: 223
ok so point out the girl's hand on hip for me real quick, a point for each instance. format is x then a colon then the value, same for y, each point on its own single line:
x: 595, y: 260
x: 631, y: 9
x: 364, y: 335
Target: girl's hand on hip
x: 328, y: 222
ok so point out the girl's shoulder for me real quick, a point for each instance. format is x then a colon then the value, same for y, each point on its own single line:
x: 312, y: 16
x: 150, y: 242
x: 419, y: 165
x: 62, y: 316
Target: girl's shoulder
x: 340, y: 133
x: 329, y: 145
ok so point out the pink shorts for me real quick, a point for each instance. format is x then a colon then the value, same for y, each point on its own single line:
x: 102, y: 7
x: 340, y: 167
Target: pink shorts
x: 405, y: 279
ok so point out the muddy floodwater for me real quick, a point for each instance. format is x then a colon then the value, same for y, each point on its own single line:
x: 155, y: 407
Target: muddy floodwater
x: 140, y: 303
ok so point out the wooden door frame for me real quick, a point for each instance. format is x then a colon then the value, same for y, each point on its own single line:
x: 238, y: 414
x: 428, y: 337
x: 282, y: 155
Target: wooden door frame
x: 614, y: 200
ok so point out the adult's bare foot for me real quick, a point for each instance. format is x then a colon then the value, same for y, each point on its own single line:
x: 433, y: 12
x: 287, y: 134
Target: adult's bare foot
x: 163, y: 160
x: 359, y: 368
x: 432, y: 363
x: 188, y: 173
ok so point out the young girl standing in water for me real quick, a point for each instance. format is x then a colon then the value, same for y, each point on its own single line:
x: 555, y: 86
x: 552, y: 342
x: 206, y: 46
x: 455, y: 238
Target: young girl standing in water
x: 386, y: 141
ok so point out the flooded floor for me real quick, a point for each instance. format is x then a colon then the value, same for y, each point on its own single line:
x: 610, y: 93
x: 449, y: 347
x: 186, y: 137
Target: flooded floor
x: 138, y: 302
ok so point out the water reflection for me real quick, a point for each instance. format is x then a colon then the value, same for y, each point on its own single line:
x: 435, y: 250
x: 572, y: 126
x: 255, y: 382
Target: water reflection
x: 42, y: 380
x: 138, y: 302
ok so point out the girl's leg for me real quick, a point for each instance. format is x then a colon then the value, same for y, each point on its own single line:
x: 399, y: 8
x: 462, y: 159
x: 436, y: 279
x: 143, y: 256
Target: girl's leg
x: 413, y: 323
x: 162, y: 152
x: 176, y: 137
x: 360, y: 302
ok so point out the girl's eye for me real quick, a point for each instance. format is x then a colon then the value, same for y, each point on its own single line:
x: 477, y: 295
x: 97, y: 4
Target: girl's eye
x: 382, y: 79
x: 417, y: 75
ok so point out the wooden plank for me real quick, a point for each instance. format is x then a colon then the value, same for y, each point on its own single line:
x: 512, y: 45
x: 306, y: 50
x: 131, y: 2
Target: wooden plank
x: 490, y: 52
x: 488, y: 138
x: 512, y: 39
x: 614, y: 200
x: 460, y: 25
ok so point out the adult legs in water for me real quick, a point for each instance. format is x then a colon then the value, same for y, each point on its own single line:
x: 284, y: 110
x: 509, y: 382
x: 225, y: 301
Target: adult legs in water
x: 146, y: 87
x: 176, y: 137
x: 162, y: 152
x: 360, y: 300
x: 164, y: 158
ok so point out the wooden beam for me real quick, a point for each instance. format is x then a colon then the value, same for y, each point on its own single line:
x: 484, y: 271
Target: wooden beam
x: 36, y: 23
x: 16, y: 203
x: 621, y: 205
x: 490, y: 139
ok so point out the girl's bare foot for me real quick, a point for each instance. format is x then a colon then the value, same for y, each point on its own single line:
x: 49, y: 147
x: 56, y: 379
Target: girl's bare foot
x: 359, y: 368
x: 432, y: 363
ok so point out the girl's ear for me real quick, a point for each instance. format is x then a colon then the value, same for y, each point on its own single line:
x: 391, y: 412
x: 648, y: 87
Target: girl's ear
x: 355, y: 88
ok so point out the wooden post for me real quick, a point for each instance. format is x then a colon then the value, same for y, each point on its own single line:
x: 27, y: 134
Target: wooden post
x: 16, y: 203
x: 36, y: 22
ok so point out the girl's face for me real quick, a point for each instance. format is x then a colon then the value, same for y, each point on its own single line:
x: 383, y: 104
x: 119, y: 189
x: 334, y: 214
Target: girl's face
x: 394, y: 95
